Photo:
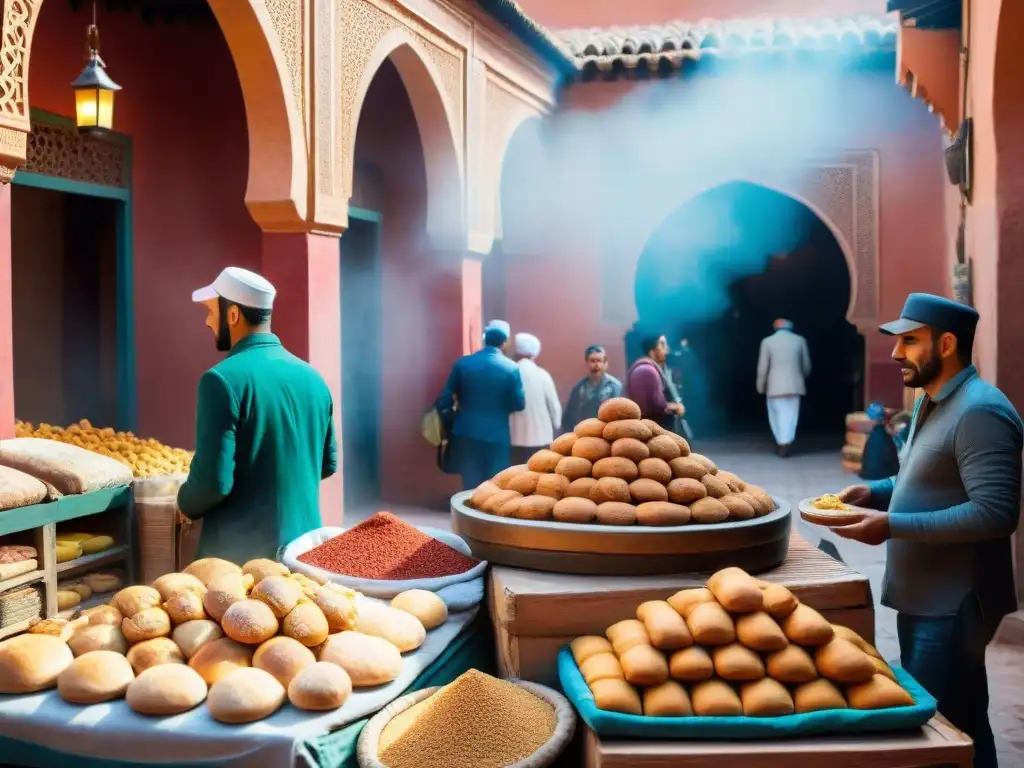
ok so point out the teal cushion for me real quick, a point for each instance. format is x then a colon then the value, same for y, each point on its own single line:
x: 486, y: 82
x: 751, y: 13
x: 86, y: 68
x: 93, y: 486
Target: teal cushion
x: 614, y: 724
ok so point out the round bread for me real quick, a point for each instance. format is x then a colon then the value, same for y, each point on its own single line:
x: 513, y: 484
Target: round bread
x: 307, y: 624
x: 401, y: 629
x: 630, y: 448
x: 502, y: 478
x: 368, y: 660
x: 495, y: 502
x: 84, y: 591
x: 655, y: 469
x: 104, y: 614
x: 634, y: 428
x: 339, y: 608
x: 710, y: 467
x: 663, y: 447
x: 193, y: 635
x: 535, y: 508
x: 582, y: 488
x: 573, y: 468
x: 717, y: 489
x: 762, y: 496
x: 427, y: 607
x: 592, y: 448
x: 279, y: 593
x: 171, y: 584
x: 738, y: 508
x: 616, y: 513
x: 618, y: 409
x: 262, y: 568
x: 320, y: 687
x: 553, y: 486
x: 209, y: 569
x: 687, y: 467
x: 221, y: 593
x: 759, y: 507
x: 575, y: 510
x: 145, y: 625
x: 31, y: 662
x: 655, y: 427
x: 647, y: 490
x: 67, y: 598
x: 508, y: 508
x: 563, y: 443
x: 132, y: 600
x: 662, y: 513
x: 708, y: 510
x: 684, y: 447
x: 185, y: 606
x: 152, y: 653
x: 97, y: 637
x: 283, y: 657
x: 525, y: 482
x: 245, y: 696
x: 616, y: 467
x: 610, y: 489
x: 589, y: 428
x: 102, y: 582
x: 217, y: 658
x: 165, y: 690
x: 483, y: 492
x: 733, y: 481
x: 544, y: 460
x: 94, y: 677
x: 685, y: 490
x: 251, y: 622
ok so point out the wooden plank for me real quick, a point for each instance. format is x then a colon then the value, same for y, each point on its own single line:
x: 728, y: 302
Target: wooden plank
x: 91, y: 562
x: 20, y: 581
x: 63, y: 509
x: 46, y: 548
x: 14, y: 629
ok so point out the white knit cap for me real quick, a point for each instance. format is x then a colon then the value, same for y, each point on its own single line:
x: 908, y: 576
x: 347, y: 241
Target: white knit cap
x: 527, y: 345
x: 498, y: 325
x: 239, y: 286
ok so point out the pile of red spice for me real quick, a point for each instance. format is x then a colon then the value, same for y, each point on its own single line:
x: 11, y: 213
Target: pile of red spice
x: 384, y: 547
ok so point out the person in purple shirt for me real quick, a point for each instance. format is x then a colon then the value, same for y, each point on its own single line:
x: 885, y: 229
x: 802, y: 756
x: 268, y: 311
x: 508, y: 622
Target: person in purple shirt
x: 648, y: 384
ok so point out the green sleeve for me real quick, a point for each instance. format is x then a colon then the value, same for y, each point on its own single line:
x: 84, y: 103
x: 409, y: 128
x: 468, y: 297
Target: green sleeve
x: 212, y: 472
x: 330, y: 465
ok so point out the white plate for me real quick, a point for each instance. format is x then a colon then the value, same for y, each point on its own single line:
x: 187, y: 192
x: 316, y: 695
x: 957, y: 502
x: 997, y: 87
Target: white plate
x: 830, y: 518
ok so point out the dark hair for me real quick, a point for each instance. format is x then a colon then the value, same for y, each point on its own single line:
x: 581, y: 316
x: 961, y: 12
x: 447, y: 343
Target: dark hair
x: 592, y: 349
x: 495, y: 337
x: 964, y: 344
x: 253, y: 316
x: 650, y: 342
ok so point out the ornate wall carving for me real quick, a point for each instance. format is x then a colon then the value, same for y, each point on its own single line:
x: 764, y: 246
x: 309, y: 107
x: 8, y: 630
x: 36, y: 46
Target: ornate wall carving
x: 61, y: 151
x: 287, y: 16
x: 19, y: 20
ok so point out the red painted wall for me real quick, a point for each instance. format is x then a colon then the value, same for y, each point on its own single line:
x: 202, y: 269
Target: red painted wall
x: 189, y: 168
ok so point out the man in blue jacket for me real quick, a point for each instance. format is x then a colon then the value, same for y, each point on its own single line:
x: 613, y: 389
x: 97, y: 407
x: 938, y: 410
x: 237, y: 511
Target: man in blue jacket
x: 950, y: 513
x: 485, y: 388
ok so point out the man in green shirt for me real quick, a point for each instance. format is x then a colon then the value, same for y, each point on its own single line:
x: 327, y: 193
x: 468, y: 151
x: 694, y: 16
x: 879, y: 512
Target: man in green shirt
x: 264, y: 430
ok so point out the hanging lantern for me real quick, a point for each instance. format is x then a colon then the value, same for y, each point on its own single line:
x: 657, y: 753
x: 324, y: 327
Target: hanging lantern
x: 94, y: 90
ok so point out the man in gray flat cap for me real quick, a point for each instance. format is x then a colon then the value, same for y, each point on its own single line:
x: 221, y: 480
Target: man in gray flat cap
x: 264, y: 430
x: 951, y: 511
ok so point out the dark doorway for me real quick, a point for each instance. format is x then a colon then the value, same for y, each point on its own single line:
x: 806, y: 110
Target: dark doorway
x: 65, y: 306
x: 361, y: 358
x: 718, y: 273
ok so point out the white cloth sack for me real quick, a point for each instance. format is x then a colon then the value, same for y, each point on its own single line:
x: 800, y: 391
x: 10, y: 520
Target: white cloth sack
x: 376, y: 587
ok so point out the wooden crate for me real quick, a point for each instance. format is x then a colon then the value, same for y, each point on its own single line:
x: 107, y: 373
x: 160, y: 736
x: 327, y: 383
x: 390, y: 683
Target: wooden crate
x: 536, y: 613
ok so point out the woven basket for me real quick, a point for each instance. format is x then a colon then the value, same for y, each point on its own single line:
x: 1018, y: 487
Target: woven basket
x: 19, y: 604
x: 565, y: 726
x: 166, y: 542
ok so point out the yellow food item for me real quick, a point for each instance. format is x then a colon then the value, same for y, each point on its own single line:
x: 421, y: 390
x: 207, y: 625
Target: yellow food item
x: 691, y: 664
x: 145, y: 625
x: 736, y: 590
x: 67, y: 599
x: 103, y: 614
x: 425, y: 606
x: 737, y: 663
x: 308, y: 624
x: 97, y: 637
x: 766, y: 698
x: 338, y: 605
x: 132, y: 600
x: 96, y: 544
x: 709, y: 624
x: 251, y: 622
x: 83, y: 590
x: 218, y: 658
x: 616, y: 695
x: 32, y: 662
x: 262, y: 568
x: 686, y: 600
x: 602, y: 666
x: 165, y: 690
x: 830, y: 501
x: 368, y: 660
x: 715, y: 698
x: 68, y: 550
x: 807, y: 627
x: 626, y: 634
x: 644, y: 666
x: 818, y: 695
x: 76, y: 537
x: 209, y: 569
x: 94, y: 677
x: 759, y: 632
x: 319, y: 687
x: 185, y: 606
x: 848, y: 634
x: 791, y: 665
x: 878, y: 693
x: 618, y: 409
x: 779, y: 602
x: 588, y: 645
x: 171, y: 584
x: 667, y: 700
x: 666, y: 628
x: 103, y: 582
x: 150, y: 653
x: 842, y: 662
x: 283, y: 658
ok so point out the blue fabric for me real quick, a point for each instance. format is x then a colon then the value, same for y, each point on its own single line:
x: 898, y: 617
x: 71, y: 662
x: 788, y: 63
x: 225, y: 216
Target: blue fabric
x: 477, y: 460
x: 839, y: 721
x: 938, y: 312
x: 487, y: 387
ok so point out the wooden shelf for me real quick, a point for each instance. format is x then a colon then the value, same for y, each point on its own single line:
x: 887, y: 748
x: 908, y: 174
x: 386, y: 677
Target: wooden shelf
x: 63, y: 509
x: 20, y: 581
x: 89, y: 562
x: 14, y: 629
x: 98, y: 598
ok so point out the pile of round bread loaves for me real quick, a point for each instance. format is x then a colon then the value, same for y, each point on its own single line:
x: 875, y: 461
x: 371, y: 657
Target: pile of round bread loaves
x: 736, y: 647
x: 619, y: 469
x: 243, y: 639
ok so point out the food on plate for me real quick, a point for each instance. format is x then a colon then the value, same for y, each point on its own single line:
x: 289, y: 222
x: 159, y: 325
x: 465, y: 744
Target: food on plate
x: 283, y: 658
x: 616, y: 695
x: 319, y: 687
x: 401, y: 629
x: 427, y: 607
x: 666, y: 628
x: 94, y: 677
x: 830, y: 501
x: 218, y: 658
x: 710, y: 624
x: 618, y: 409
x: 251, y: 622
x: 368, y: 660
x: 97, y: 637
x: 817, y: 695
x: 760, y: 632
x: 132, y: 600
x: 262, y: 568
x: 223, y: 592
x: 806, y: 626
x: 544, y: 460
x: 209, y: 569
x: 878, y: 693
x: 338, y: 605
x: 165, y: 690
x: 644, y: 666
x: 185, y: 606
x: 171, y: 584
x: 669, y: 699
x: 145, y: 625
x: 151, y: 653
x: 307, y: 624
x: 715, y: 698
x: 662, y: 513
x: 601, y: 666
x: 842, y: 662
x: 193, y: 635
x: 708, y: 510
x: 67, y: 599
x: 691, y: 664
x: 792, y: 665
x: 573, y: 509
x: 32, y: 662
x: 766, y: 698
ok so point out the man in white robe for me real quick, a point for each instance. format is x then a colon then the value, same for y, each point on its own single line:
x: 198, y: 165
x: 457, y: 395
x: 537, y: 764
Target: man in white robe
x: 534, y: 427
x: 782, y: 370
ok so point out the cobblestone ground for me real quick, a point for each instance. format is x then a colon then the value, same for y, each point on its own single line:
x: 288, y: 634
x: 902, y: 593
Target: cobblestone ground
x: 810, y: 473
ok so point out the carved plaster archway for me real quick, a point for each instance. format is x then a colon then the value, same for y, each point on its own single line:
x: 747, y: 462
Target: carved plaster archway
x: 436, y: 119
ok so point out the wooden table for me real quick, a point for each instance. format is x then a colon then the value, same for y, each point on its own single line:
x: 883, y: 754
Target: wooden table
x: 937, y: 743
x: 535, y: 613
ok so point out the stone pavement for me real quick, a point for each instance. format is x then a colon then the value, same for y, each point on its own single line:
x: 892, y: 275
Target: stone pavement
x: 811, y: 473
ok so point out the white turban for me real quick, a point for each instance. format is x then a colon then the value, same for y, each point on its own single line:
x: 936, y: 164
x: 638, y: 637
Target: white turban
x: 498, y: 325
x: 527, y: 345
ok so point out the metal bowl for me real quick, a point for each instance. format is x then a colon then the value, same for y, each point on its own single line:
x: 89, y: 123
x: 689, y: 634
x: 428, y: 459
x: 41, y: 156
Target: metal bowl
x: 759, y: 544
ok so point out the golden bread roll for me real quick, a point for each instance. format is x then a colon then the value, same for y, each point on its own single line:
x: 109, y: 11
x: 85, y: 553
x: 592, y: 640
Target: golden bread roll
x: 84, y: 591
x: 626, y: 634
x: 171, y: 584
x: 166, y: 690
x: 715, y: 698
x: 642, y: 491
x: 262, y: 568
x: 685, y: 600
x: 308, y: 624
x: 67, y: 599
x: 402, y: 630
x: 614, y: 695
x: 760, y: 632
x: 842, y: 662
x: 849, y: 635
x: 249, y: 621
x: 806, y: 626
x: 662, y: 513
x: 525, y: 482
x: 708, y: 511
x: 339, y: 607
x: 818, y: 695
x: 736, y: 590
x: 245, y: 696
x: 32, y: 662
x: 737, y: 663
x: 644, y: 666
x: 601, y: 666
x: 655, y: 427
x: 102, y: 582
x: 217, y: 658
x: 791, y: 665
x: 480, y: 496
x: 709, y: 466
x: 536, y: 507
x: 610, y: 489
x: 655, y: 469
x: 222, y: 592
x: 584, y: 488
x: 427, y: 607
x: 132, y: 600
x: 738, y: 508
x: 664, y: 447
x: 94, y: 677
x: 882, y: 668
x: 280, y: 594
x: 691, y: 664
x: 709, y: 624
x: 544, y: 460
x: 616, y: 467
x: 563, y: 443
x: 717, y: 489
x: 97, y: 637
x: 759, y: 506
x: 669, y: 699
x: 103, y: 614
x: 588, y: 645
x: 151, y: 653
x: 766, y: 698
x: 283, y: 658
x: 145, y: 625
x: 68, y: 550
x: 631, y: 448
x: 209, y: 569
x: 592, y: 449
x: 878, y: 693
x: 553, y: 486
x: 616, y: 430
x: 666, y: 628
x: 688, y: 468
x: 320, y: 687
x: 685, y: 491
x: 573, y: 468
x: 616, y: 513
x: 732, y: 480
x: 502, y: 478
x: 618, y: 409
x: 193, y: 635
x: 185, y: 606
x: 779, y: 602
x: 505, y: 504
x: 368, y: 660
x: 572, y: 509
